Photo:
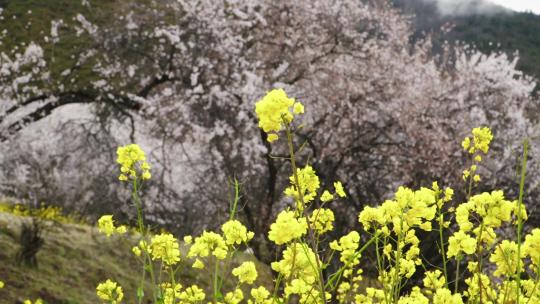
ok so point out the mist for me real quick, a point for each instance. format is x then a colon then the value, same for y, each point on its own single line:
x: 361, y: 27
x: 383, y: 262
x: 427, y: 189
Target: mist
x: 467, y: 7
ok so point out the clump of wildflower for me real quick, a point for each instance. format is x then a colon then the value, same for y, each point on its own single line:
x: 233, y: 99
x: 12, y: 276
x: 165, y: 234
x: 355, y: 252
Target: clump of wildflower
x: 38, y: 301
x: 347, y: 245
x: 305, y: 290
x: 110, y: 292
x: 370, y: 216
x: 2, y: 284
x: 460, y: 242
x: 234, y: 297
x: 132, y: 162
x: 236, y: 233
x: 408, y: 209
x: 531, y: 248
x: 246, y: 272
x: 445, y: 296
x: 171, y: 293
x: 434, y: 280
x: 208, y: 243
x: 491, y: 207
x: 259, y: 295
x: 165, y: 247
x: 479, y: 287
x: 338, y: 187
x: 287, y: 228
x: 298, y: 259
x: 505, y: 257
x: 415, y: 297
x: 136, y: 251
x: 322, y: 220
x: 308, y: 184
x: 274, y: 110
x: 326, y: 196
x: 198, y: 264
x: 480, y: 142
x: 106, y: 226
x: 192, y: 294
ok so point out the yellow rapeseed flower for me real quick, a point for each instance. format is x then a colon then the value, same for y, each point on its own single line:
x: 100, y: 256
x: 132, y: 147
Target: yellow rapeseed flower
x: 531, y: 247
x: 326, y: 196
x: 236, y: 233
x: 192, y: 294
x: 106, y: 226
x: 208, y: 243
x: 339, y: 189
x: 460, y: 242
x: 480, y: 141
x: 322, y: 220
x: 273, y: 110
x: 298, y: 259
x: 287, y: 228
x: 110, y: 292
x: 246, y: 272
x: 132, y: 162
x: 308, y: 182
x: 165, y: 247
x: 505, y: 257
x: 260, y: 294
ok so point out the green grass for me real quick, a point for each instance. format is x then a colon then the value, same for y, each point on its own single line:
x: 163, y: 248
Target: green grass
x: 75, y: 258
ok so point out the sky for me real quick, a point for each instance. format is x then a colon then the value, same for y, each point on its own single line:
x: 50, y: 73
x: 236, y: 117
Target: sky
x: 520, y: 5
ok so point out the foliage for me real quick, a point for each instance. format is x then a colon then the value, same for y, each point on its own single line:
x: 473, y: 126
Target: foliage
x: 30, y: 242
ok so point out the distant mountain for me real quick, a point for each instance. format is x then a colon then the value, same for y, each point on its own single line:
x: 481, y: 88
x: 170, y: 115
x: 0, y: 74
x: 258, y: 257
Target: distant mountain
x: 488, y: 26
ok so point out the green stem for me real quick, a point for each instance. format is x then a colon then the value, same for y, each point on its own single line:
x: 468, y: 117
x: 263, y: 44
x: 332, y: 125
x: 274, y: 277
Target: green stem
x: 480, y: 260
x: 397, y: 280
x: 330, y: 283
x: 458, y: 261
x: 235, y: 201
x: 519, y: 217
x: 443, y: 251
x: 142, y: 230
x: 301, y: 197
x: 215, y: 282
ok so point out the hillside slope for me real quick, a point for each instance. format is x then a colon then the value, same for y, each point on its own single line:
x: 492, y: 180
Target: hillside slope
x: 74, y: 259
x: 494, y: 29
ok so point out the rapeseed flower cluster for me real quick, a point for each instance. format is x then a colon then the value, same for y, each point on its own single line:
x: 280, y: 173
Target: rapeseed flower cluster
x: 110, y: 292
x: 106, y: 226
x: 322, y: 220
x: 394, y: 230
x: 306, y: 190
x: 246, y: 272
x: 275, y: 110
x: 287, y: 228
x: 132, y: 162
x: 481, y: 138
x: 164, y: 247
x: 209, y: 243
x: 236, y: 233
x: 531, y: 248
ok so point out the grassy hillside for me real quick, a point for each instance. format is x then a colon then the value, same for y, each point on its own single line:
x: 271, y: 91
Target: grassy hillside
x: 74, y: 259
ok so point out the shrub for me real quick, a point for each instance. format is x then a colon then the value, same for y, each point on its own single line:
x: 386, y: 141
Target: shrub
x: 30, y: 242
